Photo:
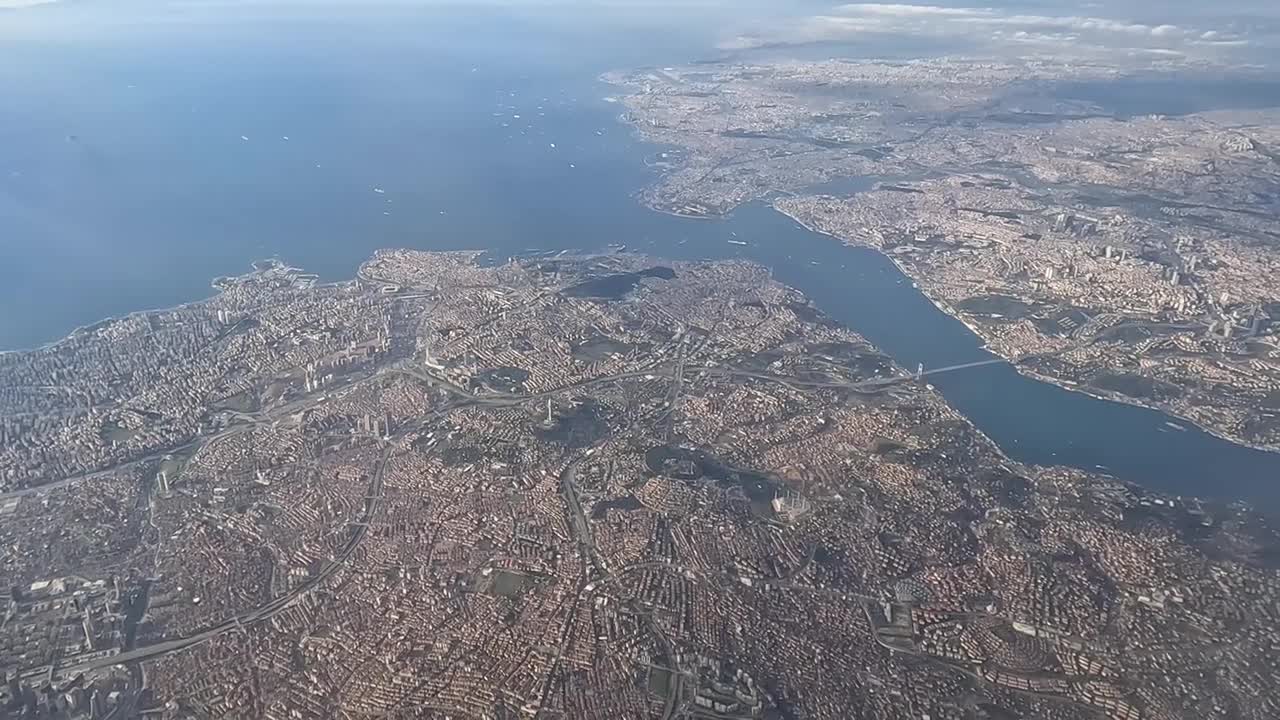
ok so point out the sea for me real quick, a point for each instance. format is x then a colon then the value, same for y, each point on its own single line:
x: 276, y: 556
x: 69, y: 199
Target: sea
x: 148, y: 148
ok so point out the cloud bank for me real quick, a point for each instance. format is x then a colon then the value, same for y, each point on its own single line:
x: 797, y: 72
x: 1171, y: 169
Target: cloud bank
x: 1043, y: 31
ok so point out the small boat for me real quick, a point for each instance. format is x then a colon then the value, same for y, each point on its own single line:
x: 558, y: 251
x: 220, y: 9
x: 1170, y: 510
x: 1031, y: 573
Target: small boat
x: 1175, y: 426
x: 736, y: 242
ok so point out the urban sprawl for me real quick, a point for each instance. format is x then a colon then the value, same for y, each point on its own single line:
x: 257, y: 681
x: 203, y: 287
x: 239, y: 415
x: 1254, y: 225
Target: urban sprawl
x: 614, y: 487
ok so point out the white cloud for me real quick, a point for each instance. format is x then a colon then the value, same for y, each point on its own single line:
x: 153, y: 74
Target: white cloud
x: 903, y: 10
x: 994, y: 26
x: 990, y: 16
x: 19, y: 4
x: 1084, y: 24
x: 1239, y: 42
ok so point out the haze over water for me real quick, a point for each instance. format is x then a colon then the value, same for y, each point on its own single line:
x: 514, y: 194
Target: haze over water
x: 156, y: 150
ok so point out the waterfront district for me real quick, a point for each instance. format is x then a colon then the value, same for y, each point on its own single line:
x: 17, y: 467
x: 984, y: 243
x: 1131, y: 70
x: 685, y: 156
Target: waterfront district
x: 1135, y: 258
x: 577, y: 487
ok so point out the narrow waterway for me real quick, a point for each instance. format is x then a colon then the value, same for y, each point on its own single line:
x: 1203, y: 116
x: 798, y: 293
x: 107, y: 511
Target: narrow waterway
x: 149, y: 160
x: 1032, y: 421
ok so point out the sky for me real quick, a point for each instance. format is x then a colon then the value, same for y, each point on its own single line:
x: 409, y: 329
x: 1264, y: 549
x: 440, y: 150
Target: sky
x: 1231, y: 32
x: 1228, y: 31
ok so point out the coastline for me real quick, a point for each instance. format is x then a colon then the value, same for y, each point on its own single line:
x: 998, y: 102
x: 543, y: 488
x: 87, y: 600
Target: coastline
x: 81, y: 329
x: 216, y: 283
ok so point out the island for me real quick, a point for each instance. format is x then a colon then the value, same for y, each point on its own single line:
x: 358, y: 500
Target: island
x: 1135, y: 257
x: 578, y: 487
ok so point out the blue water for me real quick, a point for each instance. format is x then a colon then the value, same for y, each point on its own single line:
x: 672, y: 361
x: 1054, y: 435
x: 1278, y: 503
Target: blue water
x: 1165, y: 96
x: 1032, y: 421
x: 125, y: 184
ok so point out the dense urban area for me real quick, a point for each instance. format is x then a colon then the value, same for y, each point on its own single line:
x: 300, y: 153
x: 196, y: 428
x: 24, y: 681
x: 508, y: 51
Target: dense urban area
x: 589, y: 487
x: 1130, y: 256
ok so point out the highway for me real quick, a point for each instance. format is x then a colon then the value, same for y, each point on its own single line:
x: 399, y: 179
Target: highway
x: 359, y: 528
x: 577, y: 518
x: 358, y: 531
x: 586, y: 541
x: 496, y: 399
x: 252, y: 420
x: 859, y: 385
x: 73, y: 479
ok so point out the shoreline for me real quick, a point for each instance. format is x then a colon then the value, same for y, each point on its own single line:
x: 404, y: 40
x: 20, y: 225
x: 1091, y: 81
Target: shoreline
x: 80, y: 329
x: 946, y: 309
x: 1031, y: 470
x: 767, y: 200
x: 275, y: 264
x: 1028, y: 470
